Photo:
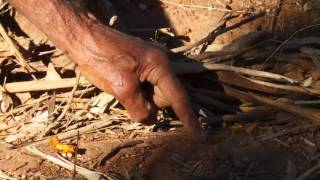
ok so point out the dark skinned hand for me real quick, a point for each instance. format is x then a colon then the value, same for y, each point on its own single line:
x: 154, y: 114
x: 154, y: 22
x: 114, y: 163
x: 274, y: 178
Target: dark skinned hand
x: 115, y: 62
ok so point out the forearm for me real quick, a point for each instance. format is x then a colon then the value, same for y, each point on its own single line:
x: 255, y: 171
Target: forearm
x: 53, y: 17
x: 66, y: 25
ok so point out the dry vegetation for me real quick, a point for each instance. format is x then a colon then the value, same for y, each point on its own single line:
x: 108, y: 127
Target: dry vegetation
x: 243, y: 85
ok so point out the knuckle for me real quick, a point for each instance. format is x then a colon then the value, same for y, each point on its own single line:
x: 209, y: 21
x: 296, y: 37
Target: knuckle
x: 125, y: 92
x: 156, y: 64
x: 156, y: 55
x: 143, y: 115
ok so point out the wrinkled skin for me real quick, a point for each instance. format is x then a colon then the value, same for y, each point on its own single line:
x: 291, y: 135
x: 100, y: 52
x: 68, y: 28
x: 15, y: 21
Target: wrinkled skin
x: 115, y: 62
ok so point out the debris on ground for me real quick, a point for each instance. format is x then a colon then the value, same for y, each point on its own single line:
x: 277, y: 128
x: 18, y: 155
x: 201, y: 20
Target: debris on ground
x: 256, y: 93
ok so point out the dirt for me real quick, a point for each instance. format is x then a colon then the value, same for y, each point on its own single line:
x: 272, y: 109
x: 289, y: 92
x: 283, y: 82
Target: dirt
x: 230, y: 153
x: 196, y: 23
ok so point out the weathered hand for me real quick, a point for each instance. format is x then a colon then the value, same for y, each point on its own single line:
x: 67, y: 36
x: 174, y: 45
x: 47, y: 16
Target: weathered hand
x: 114, y: 62
x: 121, y: 65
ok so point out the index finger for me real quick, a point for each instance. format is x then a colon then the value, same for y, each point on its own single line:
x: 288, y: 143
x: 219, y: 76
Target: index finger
x: 173, y: 91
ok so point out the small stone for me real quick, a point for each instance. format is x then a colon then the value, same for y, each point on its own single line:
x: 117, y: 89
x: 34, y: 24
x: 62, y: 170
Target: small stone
x: 7, y: 157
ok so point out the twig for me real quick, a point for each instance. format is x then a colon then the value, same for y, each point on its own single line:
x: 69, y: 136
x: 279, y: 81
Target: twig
x: 287, y: 40
x: 216, y: 32
x: 235, y: 79
x: 314, y: 116
x: 68, y: 165
x: 296, y: 89
x: 189, y: 68
x: 66, y: 108
x: 22, y: 61
x: 76, y: 157
x: 43, y: 85
x: 72, y: 133
x: 257, y: 113
x: 295, y: 130
x: 251, y: 72
x: 305, y: 41
x: 309, y: 114
x: 309, y: 172
x: 210, y: 8
x: 212, y: 35
x: 307, y: 102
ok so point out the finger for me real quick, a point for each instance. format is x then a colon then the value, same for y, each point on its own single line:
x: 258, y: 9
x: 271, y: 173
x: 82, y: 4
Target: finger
x: 134, y: 101
x: 173, y: 91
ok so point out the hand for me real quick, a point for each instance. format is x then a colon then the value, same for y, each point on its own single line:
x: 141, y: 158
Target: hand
x: 114, y: 62
x: 121, y: 65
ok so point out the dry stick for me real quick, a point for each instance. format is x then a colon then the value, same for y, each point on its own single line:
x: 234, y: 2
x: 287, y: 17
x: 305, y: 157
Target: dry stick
x: 237, y: 80
x: 256, y: 113
x: 22, y: 61
x: 314, y: 116
x: 299, y: 129
x: 210, y: 8
x: 247, y: 71
x: 287, y: 40
x: 74, y: 132
x: 68, y: 165
x: 309, y: 172
x: 189, y: 68
x: 296, y: 89
x: 305, y: 41
x: 262, y: 86
x: 76, y: 157
x: 43, y: 85
x: 66, y: 108
x: 216, y: 32
x: 209, y: 37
